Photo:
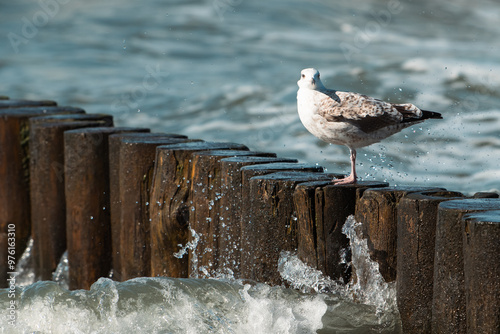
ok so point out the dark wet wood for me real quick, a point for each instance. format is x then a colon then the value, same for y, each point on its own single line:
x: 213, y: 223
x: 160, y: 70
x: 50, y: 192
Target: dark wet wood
x: 136, y: 160
x: 486, y: 194
x: 229, y: 238
x: 481, y: 240
x: 14, y: 173
x: 322, y: 209
x: 88, y: 226
x: 115, y: 142
x: 47, y: 188
x: 7, y: 103
x: 448, y: 300
x: 206, y: 195
x: 377, y: 212
x: 171, y: 208
x: 416, y: 229
x: 269, y: 227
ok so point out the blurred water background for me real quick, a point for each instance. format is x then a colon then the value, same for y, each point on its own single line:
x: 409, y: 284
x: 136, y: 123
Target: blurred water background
x: 226, y: 70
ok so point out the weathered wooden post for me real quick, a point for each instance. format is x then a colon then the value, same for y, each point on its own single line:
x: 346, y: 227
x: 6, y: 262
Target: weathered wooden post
x: 486, y: 194
x: 322, y: 209
x: 88, y: 226
x: 229, y: 237
x: 206, y: 195
x: 47, y: 185
x: 14, y: 174
x: 6, y: 103
x: 270, y: 225
x: 416, y: 230
x: 377, y: 212
x: 247, y: 172
x: 170, y: 208
x: 115, y: 142
x: 481, y: 240
x: 448, y: 301
x: 135, y: 172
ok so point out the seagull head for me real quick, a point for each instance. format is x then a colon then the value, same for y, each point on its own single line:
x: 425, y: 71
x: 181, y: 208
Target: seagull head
x: 309, y: 79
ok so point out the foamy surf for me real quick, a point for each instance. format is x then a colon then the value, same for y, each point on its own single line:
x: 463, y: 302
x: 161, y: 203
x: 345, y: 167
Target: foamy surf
x: 313, y: 303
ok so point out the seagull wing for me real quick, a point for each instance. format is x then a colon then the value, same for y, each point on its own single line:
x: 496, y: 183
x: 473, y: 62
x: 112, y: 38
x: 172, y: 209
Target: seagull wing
x: 366, y: 113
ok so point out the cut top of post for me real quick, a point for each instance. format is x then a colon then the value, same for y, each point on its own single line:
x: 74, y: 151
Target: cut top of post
x: 202, y: 145
x: 294, y: 176
x: 234, y: 153
x: 471, y: 204
x: 23, y: 112
x: 25, y: 103
x: 284, y: 166
x: 108, y: 119
x: 257, y: 160
x: 484, y: 217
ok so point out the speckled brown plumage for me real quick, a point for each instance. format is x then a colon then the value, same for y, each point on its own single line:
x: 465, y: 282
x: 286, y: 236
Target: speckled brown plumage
x: 351, y: 119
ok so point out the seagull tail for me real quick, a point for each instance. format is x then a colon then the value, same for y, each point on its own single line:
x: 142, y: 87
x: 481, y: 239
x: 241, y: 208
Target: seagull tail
x: 431, y: 114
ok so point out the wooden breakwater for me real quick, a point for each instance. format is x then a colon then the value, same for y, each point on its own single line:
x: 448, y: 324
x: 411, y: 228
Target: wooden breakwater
x: 154, y: 204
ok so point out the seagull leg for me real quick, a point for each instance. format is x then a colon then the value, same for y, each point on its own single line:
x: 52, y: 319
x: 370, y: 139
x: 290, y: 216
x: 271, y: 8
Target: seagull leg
x: 353, y: 177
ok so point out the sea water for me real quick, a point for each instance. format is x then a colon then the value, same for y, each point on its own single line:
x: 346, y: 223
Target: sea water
x: 226, y: 70
x: 309, y: 303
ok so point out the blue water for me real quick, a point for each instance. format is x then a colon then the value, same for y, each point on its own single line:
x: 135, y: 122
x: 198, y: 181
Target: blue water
x: 226, y: 70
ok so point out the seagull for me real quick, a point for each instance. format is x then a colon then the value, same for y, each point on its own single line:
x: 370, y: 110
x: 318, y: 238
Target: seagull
x: 351, y: 119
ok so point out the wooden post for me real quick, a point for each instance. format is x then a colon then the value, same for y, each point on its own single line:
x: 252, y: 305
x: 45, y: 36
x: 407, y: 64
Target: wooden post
x: 377, y: 212
x: 206, y: 195
x: 247, y: 172
x: 6, y: 103
x: 322, y: 209
x: 135, y: 173
x: 47, y: 187
x: 229, y: 237
x: 416, y: 230
x: 14, y: 174
x: 115, y: 142
x: 486, y: 194
x: 88, y: 227
x: 270, y: 225
x: 481, y: 240
x: 170, y: 206
x: 448, y: 300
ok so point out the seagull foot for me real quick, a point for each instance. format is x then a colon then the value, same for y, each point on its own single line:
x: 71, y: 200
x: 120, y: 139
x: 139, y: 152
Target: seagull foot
x: 348, y: 180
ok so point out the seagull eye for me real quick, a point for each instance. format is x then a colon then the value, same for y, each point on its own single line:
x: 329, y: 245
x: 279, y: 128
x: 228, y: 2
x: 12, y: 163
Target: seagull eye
x: 303, y: 75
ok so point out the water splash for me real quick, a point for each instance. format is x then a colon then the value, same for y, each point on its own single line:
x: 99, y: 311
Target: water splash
x: 366, y: 293
x: 61, y: 274
x: 165, y: 305
x: 304, y: 278
x: 25, y: 267
x: 368, y: 287
x: 315, y: 304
